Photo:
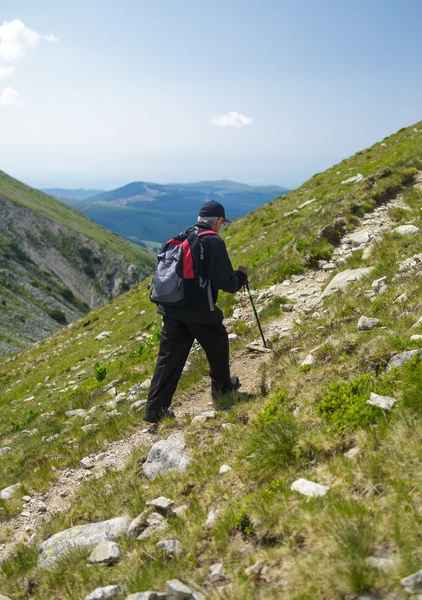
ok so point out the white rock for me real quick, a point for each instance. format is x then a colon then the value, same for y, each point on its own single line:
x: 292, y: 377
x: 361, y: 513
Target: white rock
x: 414, y: 337
x: 5, y: 450
x: 341, y: 280
x: 418, y: 322
x: 227, y: 426
x: 103, y: 334
x: 29, y: 399
x: 145, y: 385
x: 162, y: 504
x: 87, y: 463
x: 78, y: 412
x: 359, y: 237
x: 106, y: 552
x: 309, y: 488
x: 104, y: 593
x: 224, y: 469
x: 377, y: 284
x: 7, y: 493
x: 217, y: 571
x: 367, y: 323
x: 204, y: 416
x: 212, y: 517
x: 147, y: 596
x: 407, y: 229
x: 138, y: 406
x: 381, y: 563
x: 413, y: 583
x: 166, y: 455
x: 356, y: 179
x: 233, y: 337
x: 307, y: 203
x: 170, y: 547
x: 309, y: 360
x: 254, y: 569
x: 399, y: 359
x: 352, y: 452
x: 176, y: 590
x: 91, y: 428
x: 384, y: 402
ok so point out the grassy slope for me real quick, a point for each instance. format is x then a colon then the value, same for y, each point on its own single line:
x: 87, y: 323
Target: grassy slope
x: 260, y: 518
x: 49, y: 207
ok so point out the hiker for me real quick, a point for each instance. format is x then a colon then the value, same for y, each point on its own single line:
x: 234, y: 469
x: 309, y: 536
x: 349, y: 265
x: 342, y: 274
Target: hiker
x: 202, y: 320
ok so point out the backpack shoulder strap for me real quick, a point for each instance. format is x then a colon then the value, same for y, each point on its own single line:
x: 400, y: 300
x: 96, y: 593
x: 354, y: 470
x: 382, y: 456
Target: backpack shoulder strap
x: 210, y: 232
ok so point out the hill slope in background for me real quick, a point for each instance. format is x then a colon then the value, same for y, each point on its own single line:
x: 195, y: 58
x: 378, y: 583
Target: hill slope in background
x: 81, y: 194
x: 305, y: 415
x: 150, y: 211
x: 55, y: 264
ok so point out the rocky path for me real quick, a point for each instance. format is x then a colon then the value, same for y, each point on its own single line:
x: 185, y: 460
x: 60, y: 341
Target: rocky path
x: 303, y: 293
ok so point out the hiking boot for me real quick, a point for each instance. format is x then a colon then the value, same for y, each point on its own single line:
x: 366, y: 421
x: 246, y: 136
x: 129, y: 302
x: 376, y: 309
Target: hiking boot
x: 219, y: 390
x: 162, y: 414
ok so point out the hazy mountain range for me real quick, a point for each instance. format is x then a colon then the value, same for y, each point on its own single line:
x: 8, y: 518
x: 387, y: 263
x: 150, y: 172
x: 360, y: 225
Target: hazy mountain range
x: 144, y: 211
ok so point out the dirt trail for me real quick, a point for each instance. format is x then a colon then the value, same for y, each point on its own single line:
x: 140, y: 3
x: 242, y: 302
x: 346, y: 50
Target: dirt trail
x: 303, y: 291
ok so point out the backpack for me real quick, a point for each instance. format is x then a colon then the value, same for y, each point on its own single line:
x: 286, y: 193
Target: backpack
x: 179, y: 275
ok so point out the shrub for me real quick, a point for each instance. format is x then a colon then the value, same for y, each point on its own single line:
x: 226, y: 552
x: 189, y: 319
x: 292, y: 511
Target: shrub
x: 85, y: 253
x: 88, y: 270
x: 343, y: 404
x: 67, y: 294
x: 100, y: 372
x: 58, y: 316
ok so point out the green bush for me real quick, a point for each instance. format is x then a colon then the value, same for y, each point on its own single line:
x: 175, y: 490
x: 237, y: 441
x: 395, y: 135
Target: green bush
x: 67, y: 294
x: 58, y: 316
x: 343, y: 404
x: 88, y: 270
x: 85, y: 253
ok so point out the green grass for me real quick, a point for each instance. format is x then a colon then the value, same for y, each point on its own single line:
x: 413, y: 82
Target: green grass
x: 300, y: 425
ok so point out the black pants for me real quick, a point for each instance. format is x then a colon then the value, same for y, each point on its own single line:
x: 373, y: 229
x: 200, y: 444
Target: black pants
x: 176, y: 341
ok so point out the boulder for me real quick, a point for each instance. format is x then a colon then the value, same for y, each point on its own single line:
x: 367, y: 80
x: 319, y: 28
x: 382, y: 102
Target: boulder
x: 341, y: 280
x: 254, y: 570
x: 170, y: 547
x: 407, y: 229
x: 103, y: 334
x: 4, y: 597
x: 309, y: 488
x: 5, y: 450
x: 81, y: 536
x: 104, y: 593
x: 418, y: 322
x: 176, y: 590
x: 224, y: 469
x: 399, y: 359
x: 106, y: 553
x: 162, y: 504
x: 384, y: 402
x: 359, y: 237
x: 217, y: 571
x: 355, y: 179
x: 87, y: 463
x: 367, y: 323
x: 7, y: 493
x: 167, y: 455
x: 211, y: 518
x: 413, y: 583
x: 155, y: 522
x: 138, y: 406
x: 334, y: 231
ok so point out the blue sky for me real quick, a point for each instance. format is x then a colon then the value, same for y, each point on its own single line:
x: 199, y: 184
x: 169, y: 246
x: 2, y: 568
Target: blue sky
x: 146, y: 90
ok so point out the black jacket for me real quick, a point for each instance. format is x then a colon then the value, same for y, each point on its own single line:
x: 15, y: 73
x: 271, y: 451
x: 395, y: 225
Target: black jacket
x: 219, y: 270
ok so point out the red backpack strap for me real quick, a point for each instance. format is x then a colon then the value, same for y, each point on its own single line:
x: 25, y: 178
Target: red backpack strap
x: 210, y: 232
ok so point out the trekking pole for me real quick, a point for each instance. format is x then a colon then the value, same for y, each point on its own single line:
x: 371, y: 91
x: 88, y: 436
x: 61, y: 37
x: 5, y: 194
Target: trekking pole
x: 255, y: 313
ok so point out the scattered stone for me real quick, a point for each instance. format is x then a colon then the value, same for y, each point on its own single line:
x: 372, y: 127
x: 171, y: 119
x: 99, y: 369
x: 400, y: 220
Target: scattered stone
x: 147, y: 596
x: 418, y: 322
x: 29, y: 399
x: 217, y: 571
x: 309, y: 488
x: 5, y: 450
x: 224, y: 469
x: 413, y: 583
x: 407, y: 229
x: 399, y: 359
x: 155, y: 522
x: 162, y: 504
x: 415, y: 337
x: 352, y: 452
x: 367, y: 323
x: 4, y: 597
x: 233, y: 337
x: 356, y: 179
x: 258, y: 347
x: 7, y: 493
x: 309, y: 360
x: 359, y: 238
x: 227, y: 425
x: 166, y: 455
x: 291, y: 212
x: 87, y: 463
x: 91, y: 428
x: 341, y: 280
x: 378, y: 284
x: 205, y: 416
x: 104, y: 593
x: 413, y: 262
x: 104, y: 334
x: 211, y: 519
x: 139, y: 405
x: 367, y: 252
x: 254, y: 570
x: 145, y: 385
x: 329, y: 266
x: 384, y: 402
x: 381, y: 563
x: 170, y: 547
x: 287, y: 307
x: 106, y: 552
x: 307, y: 203
x: 78, y: 412
x: 176, y: 590
x: 112, y: 391
x: 80, y: 536
x: 138, y: 524
x: 26, y: 498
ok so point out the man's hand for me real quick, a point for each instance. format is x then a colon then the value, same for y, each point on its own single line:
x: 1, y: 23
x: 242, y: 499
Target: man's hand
x: 244, y: 270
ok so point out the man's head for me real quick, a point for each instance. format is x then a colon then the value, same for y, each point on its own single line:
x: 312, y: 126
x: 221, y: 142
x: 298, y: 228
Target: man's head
x: 213, y: 214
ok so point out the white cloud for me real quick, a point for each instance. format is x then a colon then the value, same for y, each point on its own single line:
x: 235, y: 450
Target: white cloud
x: 16, y: 40
x: 51, y: 38
x: 7, y: 71
x: 11, y: 97
x: 231, y: 119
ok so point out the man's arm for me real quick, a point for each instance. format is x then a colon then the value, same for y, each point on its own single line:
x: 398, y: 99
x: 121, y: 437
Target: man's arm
x: 220, y: 269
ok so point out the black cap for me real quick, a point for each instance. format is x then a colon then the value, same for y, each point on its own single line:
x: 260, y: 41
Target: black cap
x: 213, y: 209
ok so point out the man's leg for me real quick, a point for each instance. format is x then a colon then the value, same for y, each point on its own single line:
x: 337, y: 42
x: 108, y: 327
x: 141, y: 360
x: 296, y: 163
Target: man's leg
x: 214, y: 340
x: 175, y: 344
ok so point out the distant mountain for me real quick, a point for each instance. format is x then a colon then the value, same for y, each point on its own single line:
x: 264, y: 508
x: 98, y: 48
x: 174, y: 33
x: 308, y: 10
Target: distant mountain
x: 55, y: 264
x: 60, y: 193
x: 154, y: 212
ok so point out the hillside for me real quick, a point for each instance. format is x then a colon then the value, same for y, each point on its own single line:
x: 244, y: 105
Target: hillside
x: 143, y: 211
x: 55, y: 265
x: 81, y: 194
x: 306, y: 485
